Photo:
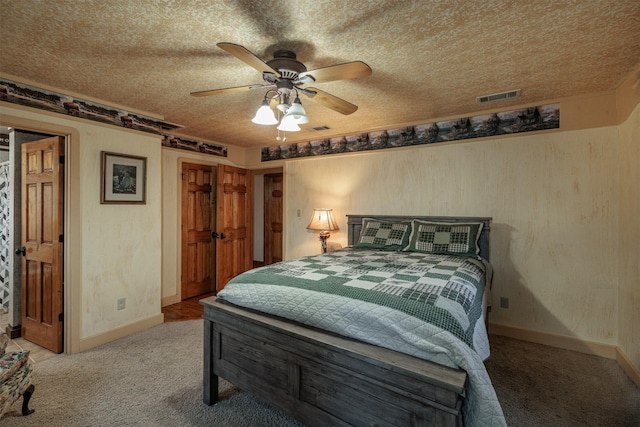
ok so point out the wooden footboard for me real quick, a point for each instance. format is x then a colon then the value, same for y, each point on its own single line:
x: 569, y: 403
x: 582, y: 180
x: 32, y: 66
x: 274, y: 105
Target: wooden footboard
x: 323, y: 379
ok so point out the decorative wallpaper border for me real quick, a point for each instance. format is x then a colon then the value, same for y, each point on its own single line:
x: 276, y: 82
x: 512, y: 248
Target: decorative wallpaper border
x: 193, y: 145
x: 527, y: 119
x: 19, y: 93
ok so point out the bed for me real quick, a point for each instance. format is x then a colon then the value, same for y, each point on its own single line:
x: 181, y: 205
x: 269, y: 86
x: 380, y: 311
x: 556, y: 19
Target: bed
x: 344, y: 357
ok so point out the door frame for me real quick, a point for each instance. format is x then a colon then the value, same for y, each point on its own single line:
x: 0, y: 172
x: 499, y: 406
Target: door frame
x: 258, y: 207
x: 71, y: 212
x: 268, y: 237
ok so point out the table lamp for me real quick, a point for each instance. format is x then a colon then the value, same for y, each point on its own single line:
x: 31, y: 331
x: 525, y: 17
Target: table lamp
x: 322, y: 220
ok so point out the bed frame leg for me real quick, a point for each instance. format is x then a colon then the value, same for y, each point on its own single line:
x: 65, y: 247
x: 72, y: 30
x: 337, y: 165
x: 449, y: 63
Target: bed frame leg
x: 209, y: 379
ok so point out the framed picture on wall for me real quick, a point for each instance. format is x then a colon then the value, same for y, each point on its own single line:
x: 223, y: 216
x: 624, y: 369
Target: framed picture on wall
x: 123, y: 179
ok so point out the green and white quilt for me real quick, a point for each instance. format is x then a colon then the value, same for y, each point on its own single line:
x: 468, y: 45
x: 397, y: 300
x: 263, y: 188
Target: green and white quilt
x: 426, y: 305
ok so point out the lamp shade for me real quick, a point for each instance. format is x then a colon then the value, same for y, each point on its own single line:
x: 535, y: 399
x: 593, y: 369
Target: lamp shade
x: 265, y: 115
x: 288, y: 124
x: 322, y: 220
x: 297, y: 112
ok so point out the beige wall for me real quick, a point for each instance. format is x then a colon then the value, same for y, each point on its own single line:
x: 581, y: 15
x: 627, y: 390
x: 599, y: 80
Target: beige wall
x: 121, y: 250
x: 629, y: 245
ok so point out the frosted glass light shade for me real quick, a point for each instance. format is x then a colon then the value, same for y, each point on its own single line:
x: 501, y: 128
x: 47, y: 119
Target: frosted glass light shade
x: 265, y: 115
x: 297, y: 112
x: 288, y: 124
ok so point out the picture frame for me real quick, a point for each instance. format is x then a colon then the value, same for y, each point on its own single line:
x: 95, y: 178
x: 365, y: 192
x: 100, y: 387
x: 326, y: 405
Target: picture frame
x: 123, y: 179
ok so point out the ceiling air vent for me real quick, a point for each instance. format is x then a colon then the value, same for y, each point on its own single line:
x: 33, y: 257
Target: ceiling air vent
x: 498, y: 96
x: 320, y: 128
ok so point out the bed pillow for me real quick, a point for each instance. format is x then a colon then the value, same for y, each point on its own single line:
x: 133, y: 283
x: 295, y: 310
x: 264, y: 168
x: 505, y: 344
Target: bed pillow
x: 446, y: 238
x: 384, y: 235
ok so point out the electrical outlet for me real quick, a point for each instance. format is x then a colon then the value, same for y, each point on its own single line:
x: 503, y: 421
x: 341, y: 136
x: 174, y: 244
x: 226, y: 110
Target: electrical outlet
x: 121, y: 304
x: 504, y: 302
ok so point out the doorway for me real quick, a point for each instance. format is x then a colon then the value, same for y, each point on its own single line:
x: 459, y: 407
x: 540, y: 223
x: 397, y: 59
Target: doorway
x: 35, y: 247
x: 268, y: 219
x: 273, y: 217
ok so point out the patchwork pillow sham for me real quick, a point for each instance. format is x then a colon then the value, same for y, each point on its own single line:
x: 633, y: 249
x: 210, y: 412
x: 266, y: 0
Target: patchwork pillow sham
x: 384, y: 235
x: 445, y: 238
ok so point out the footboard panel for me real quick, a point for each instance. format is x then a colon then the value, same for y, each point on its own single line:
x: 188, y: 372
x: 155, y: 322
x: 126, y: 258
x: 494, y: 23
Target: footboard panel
x: 323, y: 379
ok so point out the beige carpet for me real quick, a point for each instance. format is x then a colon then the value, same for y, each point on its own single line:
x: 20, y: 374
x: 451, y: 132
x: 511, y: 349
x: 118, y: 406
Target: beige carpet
x: 154, y: 378
x: 538, y: 385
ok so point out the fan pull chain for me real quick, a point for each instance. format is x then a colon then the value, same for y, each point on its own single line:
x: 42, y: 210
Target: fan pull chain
x: 284, y: 134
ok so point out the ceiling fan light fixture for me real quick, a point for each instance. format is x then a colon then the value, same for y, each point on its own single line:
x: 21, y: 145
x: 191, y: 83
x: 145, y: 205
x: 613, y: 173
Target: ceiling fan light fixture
x: 283, y: 75
x: 265, y: 115
x: 288, y: 124
x: 297, y: 112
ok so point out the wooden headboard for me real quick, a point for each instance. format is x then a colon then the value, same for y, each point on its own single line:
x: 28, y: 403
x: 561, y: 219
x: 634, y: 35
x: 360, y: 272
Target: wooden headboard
x: 354, y: 225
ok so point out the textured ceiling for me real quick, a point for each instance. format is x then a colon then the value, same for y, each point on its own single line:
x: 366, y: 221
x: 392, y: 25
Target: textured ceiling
x: 430, y: 59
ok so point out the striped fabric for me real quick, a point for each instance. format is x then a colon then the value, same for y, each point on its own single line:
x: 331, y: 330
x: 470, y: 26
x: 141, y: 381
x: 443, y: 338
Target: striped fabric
x: 4, y: 236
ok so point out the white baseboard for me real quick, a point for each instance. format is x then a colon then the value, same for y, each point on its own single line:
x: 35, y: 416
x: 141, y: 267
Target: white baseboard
x: 569, y: 343
x: 121, y: 332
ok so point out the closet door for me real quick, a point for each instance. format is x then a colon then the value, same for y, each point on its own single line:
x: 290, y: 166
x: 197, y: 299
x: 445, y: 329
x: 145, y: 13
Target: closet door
x: 235, y: 242
x: 198, y: 224
x: 42, y: 202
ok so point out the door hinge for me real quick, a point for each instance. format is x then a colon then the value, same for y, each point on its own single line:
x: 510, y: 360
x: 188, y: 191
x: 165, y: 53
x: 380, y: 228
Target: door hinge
x: 61, y: 238
x: 60, y: 317
x: 62, y: 159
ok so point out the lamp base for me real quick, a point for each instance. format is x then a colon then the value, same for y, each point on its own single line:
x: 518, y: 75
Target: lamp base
x: 324, y: 235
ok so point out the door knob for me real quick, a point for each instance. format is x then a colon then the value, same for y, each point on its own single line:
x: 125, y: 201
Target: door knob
x: 214, y: 235
x: 21, y: 251
x: 222, y: 235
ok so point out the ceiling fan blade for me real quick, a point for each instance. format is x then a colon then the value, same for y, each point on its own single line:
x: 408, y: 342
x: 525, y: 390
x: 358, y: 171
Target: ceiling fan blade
x: 228, y: 90
x: 349, y: 70
x: 247, y: 57
x: 330, y: 101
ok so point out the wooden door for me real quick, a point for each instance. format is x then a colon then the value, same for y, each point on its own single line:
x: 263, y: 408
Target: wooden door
x: 235, y: 244
x: 198, y: 223
x: 42, y: 203
x: 273, y: 223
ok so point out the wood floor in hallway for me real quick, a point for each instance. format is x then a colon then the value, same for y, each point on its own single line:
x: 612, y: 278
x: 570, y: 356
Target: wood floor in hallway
x: 188, y: 309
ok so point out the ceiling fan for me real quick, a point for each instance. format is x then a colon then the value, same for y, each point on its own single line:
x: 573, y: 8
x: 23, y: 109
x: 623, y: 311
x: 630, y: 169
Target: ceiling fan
x: 284, y: 74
